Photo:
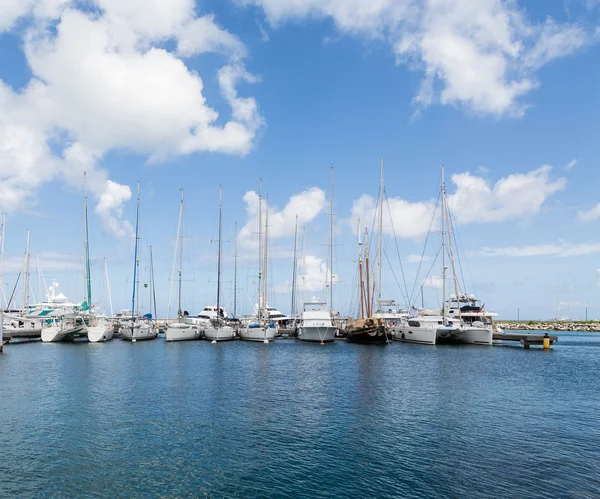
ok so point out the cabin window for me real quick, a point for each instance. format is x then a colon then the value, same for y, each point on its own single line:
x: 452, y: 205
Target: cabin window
x: 414, y: 323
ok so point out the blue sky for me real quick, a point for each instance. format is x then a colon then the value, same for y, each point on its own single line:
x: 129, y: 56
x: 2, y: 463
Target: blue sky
x: 195, y: 95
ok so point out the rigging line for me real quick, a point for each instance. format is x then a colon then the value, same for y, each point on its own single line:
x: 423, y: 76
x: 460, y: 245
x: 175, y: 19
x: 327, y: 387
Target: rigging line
x: 397, y: 249
x: 428, y: 272
x: 412, y: 293
x: 458, y: 241
x: 405, y: 298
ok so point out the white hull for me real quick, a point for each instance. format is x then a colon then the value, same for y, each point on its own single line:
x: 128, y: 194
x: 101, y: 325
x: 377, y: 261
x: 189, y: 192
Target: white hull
x: 135, y: 333
x: 98, y: 334
x: 419, y: 335
x: 447, y: 335
x: 257, y: 333
x: 55, y: 334
x: 321, y: 334
x: 179, y: 331
x: 223, y: 333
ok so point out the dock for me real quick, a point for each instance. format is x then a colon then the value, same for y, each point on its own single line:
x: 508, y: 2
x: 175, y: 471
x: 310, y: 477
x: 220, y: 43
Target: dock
x: 527, y: 340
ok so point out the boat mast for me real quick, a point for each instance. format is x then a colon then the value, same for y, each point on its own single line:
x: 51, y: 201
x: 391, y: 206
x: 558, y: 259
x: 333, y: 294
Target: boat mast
x: 26, y: 276
x: 381, y: 193
x: 219, y: 255
x: 443, y: 249
x: 180, y: 270
x: 108, y: 287
x: 360, y: 277
x: 87, y: 295
x: 135, y: 256
x: 152, y: 288
x: 294, y: 273
x: 367, y: 272
x: 260, y: 257
x: 265, y: 250
x: 1, y: 279
x: 331, y: 242
x: 235, y: 273
x: 454, y: 277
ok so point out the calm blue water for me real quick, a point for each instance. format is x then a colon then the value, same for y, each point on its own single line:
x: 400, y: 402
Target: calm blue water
x: 299, y: 420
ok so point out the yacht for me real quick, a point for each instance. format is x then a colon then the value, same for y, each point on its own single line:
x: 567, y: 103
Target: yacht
x: 316, y: 323
x: 472, y: 313
x: 64, y: 328
x: 142, y: 328
x: 98, y: 328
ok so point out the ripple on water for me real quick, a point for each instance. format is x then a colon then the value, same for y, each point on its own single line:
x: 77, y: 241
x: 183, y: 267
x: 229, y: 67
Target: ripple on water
x: 299, y: 420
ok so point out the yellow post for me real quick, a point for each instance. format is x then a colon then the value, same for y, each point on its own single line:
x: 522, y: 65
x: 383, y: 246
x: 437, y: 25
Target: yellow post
x: 546, y: 342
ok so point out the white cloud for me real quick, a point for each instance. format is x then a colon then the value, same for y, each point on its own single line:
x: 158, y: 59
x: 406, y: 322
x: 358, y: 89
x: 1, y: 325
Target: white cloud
x: 560, y: 250
x: 479, y: 54
x: 590, y: 215
x: 103, y: 81
x: 474, y: 200
x: 417, y: 258
x: 571, y: 164
x: 435, y: 282
x: 513, y: 197
x: 314, y: 274
x: 307, y: 205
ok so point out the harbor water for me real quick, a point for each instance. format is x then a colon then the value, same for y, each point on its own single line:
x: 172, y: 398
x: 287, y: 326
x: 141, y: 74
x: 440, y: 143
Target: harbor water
x: 292, y: 419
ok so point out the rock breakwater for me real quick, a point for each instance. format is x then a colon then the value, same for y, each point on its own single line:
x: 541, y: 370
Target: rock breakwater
x: 589, y: 327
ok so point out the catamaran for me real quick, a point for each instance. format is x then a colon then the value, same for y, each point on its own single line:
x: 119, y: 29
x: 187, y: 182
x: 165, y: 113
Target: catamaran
x: 433, y: 328
x: 182, y: 328
x: 138, y: 328
x: 261, y: 327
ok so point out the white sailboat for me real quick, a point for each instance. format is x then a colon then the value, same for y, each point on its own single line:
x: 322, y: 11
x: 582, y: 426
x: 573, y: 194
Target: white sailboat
x: 261, y: 328
x: 64, y: 328
x: 215, y: 328
x: 138, y: 328
x: 180, y: 329
x: 438, y: 329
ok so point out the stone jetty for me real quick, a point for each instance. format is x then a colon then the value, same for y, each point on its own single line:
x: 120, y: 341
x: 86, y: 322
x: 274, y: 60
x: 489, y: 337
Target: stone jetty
x: 589, y: 327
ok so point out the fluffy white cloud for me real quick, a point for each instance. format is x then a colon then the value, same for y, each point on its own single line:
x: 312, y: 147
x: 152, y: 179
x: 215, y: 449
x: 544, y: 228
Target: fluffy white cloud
x: 518, y: 195
x: 590, y: 215
x: 103, y: 81
x: 306, y: 205
x: 482, y: 53
x: 314, y: 275
x: 561, y: 250
x: 474, y: 200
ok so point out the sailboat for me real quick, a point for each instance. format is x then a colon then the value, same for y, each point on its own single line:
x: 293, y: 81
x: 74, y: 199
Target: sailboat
x: 180, y: 329
x: 215, y: 328
x: 261, y: 328
x: 97, y: 325
x: 432, y: 329
x: 138, y: 328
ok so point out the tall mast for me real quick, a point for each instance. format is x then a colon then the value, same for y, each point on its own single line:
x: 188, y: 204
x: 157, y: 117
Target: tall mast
x: 331, y: 242
x: 135, y: 256
x: 381, y: 194
x: 152, y: 288
x: 180, y: 270
x: 235, y: 273
x: 219, y: 255
x: 87, y: 294
x: 360, y: 274
x: 108, y: 287
x: 367, y: 272
x: 266, y: 250
x: 294, y: 273
x: 26, y: 276
x: 1, y: 279
x: 443, y: 249
x: 454, y: 278
x: 260, y: 256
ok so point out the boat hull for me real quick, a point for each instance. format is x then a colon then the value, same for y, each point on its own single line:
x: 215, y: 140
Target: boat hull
x: 465, y: 336
x: 259, y: 334
x: 224, y: 333
x: 136, y: 333
x: 97, y: 334
x: 55, y: 334
x: 182, y: 332
x: 418, y: 335
x: 372, y: 335
x: 22, y: 332
x: 323, y: 334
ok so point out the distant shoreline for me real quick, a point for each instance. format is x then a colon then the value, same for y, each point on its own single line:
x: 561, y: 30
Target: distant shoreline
x: 578, y: 326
